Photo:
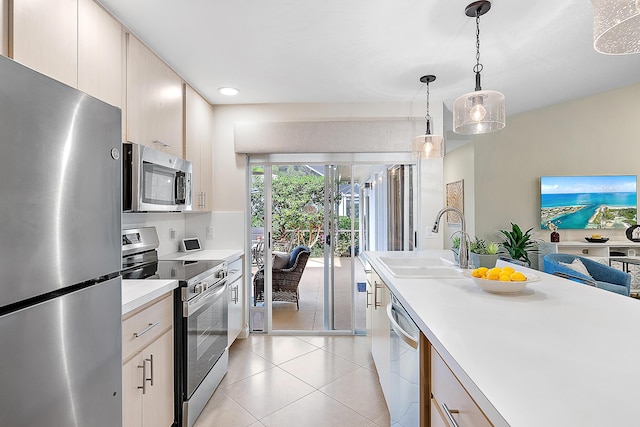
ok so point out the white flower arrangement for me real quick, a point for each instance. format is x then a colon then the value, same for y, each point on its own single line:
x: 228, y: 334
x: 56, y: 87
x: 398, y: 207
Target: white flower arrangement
x: 551, y: 226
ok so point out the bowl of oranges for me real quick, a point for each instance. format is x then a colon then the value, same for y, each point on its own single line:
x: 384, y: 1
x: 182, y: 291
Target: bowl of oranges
x: 501, y: 280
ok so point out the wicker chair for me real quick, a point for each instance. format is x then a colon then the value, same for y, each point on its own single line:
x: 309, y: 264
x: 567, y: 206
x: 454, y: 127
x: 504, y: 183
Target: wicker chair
x: 285, y: 281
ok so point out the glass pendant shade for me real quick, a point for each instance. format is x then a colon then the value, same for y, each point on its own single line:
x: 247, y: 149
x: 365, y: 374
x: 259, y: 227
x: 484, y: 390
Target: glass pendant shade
x: 616, y: 26
x: 428, y: 146
x: 481, y: 111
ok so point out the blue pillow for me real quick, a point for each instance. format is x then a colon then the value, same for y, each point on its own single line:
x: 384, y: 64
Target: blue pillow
x: 294, y: 254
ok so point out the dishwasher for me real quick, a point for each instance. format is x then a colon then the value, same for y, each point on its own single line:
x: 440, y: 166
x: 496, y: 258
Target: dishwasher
x: 405, y: 367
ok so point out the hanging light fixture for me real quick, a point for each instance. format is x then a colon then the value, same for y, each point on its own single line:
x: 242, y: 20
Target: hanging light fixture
x: 481, y: 111
x: 616, y: 26
x: 428, y: 146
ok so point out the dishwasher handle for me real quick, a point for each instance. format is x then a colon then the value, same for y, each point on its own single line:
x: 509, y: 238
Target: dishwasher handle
x: 404, y: 335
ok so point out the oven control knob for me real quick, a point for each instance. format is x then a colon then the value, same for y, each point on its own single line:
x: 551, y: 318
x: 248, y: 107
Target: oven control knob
x: 199, y: 288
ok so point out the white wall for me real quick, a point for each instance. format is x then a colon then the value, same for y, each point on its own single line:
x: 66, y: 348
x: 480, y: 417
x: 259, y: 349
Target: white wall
x: 597, y: 135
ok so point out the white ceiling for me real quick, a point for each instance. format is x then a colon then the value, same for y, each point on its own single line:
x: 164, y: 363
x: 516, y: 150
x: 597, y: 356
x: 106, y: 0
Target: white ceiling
x: 538, y: 52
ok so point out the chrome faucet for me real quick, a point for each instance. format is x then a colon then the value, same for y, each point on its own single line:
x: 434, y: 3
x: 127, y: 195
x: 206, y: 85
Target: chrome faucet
x: 463, y: 256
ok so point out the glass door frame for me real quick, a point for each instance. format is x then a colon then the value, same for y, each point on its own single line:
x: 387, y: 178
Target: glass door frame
x: 337, y: 159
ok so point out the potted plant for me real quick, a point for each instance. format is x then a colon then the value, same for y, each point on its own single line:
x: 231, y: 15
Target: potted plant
x: 518, y: 244
x: 483, y: 254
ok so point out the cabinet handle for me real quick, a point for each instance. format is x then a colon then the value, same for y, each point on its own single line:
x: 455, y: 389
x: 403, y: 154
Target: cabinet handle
x: 234, y: 294
x: 150, y: 360
x: 145, y: 330
x: 376, y: 304
x: 368, y: 295
x: 161, y: 143
x: 144, y: 376
x: 204, y: 199
x: 449, y: 413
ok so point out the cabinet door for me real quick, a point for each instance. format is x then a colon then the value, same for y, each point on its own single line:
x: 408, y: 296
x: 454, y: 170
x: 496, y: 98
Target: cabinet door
x: 157, y: 403
x: 154, y: 100
x: 45, y: 37
x: 369, y: 308
x: 4, y: 27
x: 100, y: 50
x: 236, y: 299
x: 198, y: 147
x: 131, y: 394
x: 381, y: 339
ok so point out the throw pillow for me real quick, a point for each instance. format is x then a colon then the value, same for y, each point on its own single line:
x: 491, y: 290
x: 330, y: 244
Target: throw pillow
x: 577, y: 266
x: 280, y: 260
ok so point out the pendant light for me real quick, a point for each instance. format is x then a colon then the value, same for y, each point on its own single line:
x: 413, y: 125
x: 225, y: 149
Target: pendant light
x: 481, y: 111
x: 616, y: 26
x: 428, y: 146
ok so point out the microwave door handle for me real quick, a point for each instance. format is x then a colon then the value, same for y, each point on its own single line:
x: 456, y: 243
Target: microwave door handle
x: 180, y: 196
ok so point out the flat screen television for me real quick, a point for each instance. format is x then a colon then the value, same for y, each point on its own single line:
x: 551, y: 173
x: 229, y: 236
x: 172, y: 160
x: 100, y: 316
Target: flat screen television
x: 588, y: 202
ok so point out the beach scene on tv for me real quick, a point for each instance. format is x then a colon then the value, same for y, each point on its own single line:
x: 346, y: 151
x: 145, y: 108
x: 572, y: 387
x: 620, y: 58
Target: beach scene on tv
x: 588, y: 202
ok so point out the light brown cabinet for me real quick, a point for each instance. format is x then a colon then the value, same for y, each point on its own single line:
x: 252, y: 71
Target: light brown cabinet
x: 154, y: 100
x: 4, y: 27
x: 450, y: 400
x: 148, y: 368
x: 44, y: 37
x: 100, y: 53
x: 198, y: 147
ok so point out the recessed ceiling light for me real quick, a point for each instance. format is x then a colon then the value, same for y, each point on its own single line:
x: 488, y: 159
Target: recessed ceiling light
x: 229, y: 91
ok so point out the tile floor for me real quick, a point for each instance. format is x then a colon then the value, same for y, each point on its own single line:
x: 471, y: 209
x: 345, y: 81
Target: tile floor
x: 286, y: 380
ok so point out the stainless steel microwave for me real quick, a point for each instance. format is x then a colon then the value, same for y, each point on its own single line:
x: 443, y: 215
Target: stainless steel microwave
x: 154, y: 181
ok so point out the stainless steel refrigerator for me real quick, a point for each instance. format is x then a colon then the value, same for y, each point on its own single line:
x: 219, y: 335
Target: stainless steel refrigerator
x: 60, y: 303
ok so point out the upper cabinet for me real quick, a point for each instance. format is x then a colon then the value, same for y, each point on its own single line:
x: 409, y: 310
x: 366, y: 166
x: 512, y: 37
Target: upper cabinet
x: 4, y: 27
x: 198, y: 147
x: 154, y: 100
x: 44, y: 36
x: 100, y: 53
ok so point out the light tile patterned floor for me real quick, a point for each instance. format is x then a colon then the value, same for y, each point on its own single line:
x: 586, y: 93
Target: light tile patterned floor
x: 285, y: 381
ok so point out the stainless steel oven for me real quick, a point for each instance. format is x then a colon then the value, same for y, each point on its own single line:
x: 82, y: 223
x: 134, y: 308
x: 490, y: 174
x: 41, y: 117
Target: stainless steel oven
x: 202, y: 343
x: 200, y: 318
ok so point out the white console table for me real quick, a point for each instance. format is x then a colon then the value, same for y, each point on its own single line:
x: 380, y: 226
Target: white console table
x: 602, y: 252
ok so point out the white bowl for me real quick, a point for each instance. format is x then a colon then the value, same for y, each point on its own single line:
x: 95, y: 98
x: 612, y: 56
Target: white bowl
x: 498, y: 287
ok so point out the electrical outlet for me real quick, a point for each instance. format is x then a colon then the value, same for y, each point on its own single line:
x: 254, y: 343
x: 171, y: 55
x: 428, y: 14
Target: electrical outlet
x: 172, y: 234
x: 209, y: 232
x: 430, y: 234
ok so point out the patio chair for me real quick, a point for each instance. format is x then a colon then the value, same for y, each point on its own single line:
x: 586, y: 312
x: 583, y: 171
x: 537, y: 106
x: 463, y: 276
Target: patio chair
x: 285, y: 280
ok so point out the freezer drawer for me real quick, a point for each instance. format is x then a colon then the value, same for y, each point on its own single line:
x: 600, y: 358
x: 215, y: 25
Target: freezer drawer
x: 62, y: 360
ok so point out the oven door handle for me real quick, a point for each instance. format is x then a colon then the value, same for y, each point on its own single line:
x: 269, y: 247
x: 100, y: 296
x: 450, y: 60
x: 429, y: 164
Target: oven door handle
x: 190, y: 307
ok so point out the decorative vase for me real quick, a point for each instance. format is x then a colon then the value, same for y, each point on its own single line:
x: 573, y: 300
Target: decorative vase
x: 555, y: 237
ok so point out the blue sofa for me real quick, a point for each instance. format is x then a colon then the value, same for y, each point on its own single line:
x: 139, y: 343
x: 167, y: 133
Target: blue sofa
x: 602, y: 276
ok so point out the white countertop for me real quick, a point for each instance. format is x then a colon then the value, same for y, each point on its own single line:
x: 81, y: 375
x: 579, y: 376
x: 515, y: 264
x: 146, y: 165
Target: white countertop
x: 557, y: 354
x: 136, y: 293
x: 206, y: 254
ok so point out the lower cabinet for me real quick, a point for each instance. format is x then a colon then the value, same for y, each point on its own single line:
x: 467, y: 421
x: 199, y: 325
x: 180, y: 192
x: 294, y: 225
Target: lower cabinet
x: 236, y: 299
x: 148, y: 369
x: 444, y: 402
x: 451, y: 404
x: 380, y: 337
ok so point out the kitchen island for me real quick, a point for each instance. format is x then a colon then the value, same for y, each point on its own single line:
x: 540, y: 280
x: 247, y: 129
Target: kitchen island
x: 559, y: 353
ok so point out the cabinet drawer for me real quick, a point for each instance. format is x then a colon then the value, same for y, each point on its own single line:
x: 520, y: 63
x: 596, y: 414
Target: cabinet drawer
x: 235, y: 270
x: 146, y: 324
x: 447, y: 390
